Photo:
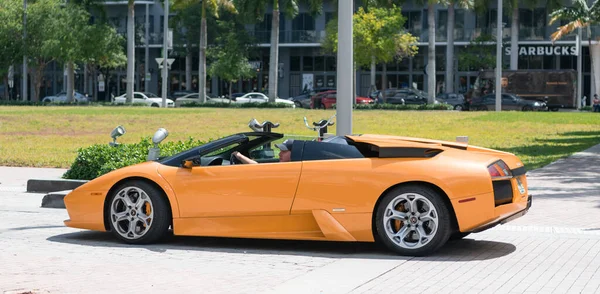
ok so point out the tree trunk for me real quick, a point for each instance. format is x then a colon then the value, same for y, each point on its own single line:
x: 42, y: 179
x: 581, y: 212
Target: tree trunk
x: 6, y: 94
x: 373, y: 75
x: 36, y: 76
x: 70, y: 82
x: 202, y: 65
x: 131, y: 52
x: 449, y: 88
x: 431, y: 53
x: 514, y: 38
x: 94, y: 73
x: 274, y: 60
x: 595, y: 72
x: 188, y: 69
x: 384, y: 83
x: 230, y: 94
x: 85, y: 79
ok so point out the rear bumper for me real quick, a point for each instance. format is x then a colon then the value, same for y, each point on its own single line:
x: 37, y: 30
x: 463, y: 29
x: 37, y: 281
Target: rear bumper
x: 506, y: 219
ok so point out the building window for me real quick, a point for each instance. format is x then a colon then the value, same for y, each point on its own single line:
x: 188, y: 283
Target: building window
x: 330, y: 63
x: 404, y: 64
x: 413, y: 21
x: 568, y: 62
x: 303, y: 22
x: 319, y: 63
x: 307, y: 63
x: 532, y: 24
x: 295, y: 63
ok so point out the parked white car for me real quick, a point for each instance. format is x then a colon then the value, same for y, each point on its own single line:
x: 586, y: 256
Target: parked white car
x: 62, y: 97
x: 261, y: 98
x: 145, y: 97
x: 195, y: 98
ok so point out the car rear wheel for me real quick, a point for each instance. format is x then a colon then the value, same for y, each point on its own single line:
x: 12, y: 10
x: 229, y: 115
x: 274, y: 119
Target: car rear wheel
x: 458, y: 107
x: 413, y: 220
x: 482, y: 108
x: 298, y: 104
x: 527, y: 108
x: 154, y: 105
x: 138, y: 213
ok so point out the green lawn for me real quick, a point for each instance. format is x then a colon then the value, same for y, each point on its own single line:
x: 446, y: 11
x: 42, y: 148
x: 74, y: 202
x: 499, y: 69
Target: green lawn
x: 50, y: 136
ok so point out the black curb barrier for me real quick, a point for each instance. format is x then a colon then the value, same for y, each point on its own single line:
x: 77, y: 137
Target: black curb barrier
x: 52, y: 185
x: 54, y: 200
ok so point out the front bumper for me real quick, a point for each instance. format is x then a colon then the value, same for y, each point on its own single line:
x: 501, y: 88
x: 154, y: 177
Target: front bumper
x: 506, y: 219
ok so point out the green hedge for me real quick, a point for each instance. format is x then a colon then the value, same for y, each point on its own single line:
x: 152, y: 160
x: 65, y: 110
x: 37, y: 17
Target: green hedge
x: 32, y: 103
x: 99, y: 159
x: 239, y: 105
x: 403, y: 107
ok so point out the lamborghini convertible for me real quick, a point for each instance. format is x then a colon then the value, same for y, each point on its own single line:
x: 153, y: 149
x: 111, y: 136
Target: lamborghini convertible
x: 410, y: 194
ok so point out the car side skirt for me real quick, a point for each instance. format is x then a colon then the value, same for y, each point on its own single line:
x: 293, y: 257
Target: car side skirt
x: 317, y: 225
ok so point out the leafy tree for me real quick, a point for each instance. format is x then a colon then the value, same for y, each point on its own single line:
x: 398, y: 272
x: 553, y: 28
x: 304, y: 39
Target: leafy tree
x: 44, y: 33
x: 212, y: 6
x: 254, y: 10
x: 11, y: 32
x: 231, y: 55
x: 480, y: 54
x: 579, y: 15
x: 378, y: 35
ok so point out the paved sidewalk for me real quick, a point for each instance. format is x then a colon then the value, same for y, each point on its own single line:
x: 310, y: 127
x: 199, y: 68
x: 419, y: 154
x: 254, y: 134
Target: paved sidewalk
x: 555, y: 248
x: 15, y: 178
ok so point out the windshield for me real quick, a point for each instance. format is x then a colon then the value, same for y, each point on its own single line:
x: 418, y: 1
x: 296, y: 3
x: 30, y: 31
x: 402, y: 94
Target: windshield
x: 150, y: 95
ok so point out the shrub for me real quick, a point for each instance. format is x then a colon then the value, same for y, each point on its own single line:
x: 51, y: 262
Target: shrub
x: 99, y: 159
x: 238, y: 105
x: 32, y: 103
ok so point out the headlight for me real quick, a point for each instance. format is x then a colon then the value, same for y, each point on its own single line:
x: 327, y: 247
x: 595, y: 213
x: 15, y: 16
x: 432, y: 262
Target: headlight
x: 536, y: 104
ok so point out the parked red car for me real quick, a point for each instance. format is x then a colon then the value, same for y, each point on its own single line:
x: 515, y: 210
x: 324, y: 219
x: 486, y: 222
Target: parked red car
x: 326, y: 100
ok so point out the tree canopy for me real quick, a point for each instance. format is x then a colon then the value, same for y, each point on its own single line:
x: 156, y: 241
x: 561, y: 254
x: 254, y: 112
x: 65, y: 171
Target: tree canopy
x: 379, y: 32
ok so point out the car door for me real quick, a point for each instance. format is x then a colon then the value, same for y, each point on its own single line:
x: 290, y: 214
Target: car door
x: 396, y: 98
x: 509, y: 103
x: 259, y: 98
x: 139, y: 98
x: 236, y: 190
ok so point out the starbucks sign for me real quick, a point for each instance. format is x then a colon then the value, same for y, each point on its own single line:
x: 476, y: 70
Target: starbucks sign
x: 544, y: 50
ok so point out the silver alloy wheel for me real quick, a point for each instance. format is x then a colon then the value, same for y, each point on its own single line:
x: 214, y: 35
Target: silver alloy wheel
x: 132, y: 213
x: 410, y: 221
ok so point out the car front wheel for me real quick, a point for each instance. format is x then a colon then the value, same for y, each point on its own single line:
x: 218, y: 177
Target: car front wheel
x: 138, y: 213
x: 458, y: 107
x: 413, y: 220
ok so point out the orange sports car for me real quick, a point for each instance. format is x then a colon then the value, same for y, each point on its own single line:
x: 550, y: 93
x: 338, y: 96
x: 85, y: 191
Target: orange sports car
x: 410, y: 194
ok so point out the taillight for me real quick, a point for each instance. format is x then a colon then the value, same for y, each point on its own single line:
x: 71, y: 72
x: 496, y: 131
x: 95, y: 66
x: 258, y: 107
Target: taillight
x: 499, y: 169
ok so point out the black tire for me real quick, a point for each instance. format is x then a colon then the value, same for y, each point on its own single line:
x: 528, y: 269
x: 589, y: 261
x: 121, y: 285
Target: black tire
x: 154, y: 105
x: 161, y: 219
x: 458, y: 235
x: 458, y: 107
x: 482, y: 108
x: 527, y: 108
x: 440, y: 235
x: 298, y: 104
x: 554, y: 109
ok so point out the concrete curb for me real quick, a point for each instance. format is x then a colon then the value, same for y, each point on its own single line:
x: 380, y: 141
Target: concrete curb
x: 55, y: 199
x: 52, y: 185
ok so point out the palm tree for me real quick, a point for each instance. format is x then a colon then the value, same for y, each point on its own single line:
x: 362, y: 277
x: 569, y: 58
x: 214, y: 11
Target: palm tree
x: 254, y: 10
x: 580, y: 15
x: 214, y: 5
x: 450, y: 41
x: 431, y: 83
x: 130, y: 50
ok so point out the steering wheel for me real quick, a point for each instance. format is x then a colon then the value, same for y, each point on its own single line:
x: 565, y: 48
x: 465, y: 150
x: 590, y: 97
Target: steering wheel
x: 233, y: 160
